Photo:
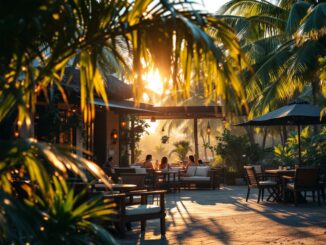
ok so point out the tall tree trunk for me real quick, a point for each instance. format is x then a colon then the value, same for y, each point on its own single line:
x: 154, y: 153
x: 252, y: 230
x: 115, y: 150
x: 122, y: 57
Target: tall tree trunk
x: 204, y: 144
x: 264, y: 138
x: 285, y: 135
x: 250, y: 134
x: 314, y: 91
x: 281, y: 137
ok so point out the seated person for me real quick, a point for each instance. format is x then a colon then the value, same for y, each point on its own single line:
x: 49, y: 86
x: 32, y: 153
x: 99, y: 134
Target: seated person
x: 191, y: 162
x: 164, y: 166
x: 201, y: 163
x: 108, y: 166
x: 148, y: 162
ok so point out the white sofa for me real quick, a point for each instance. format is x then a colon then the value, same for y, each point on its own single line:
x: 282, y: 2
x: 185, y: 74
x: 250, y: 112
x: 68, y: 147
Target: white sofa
x: 202, y: 176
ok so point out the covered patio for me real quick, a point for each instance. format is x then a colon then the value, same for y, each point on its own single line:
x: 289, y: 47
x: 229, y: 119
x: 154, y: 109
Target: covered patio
x: 184, y: 112
x: 224, y: 217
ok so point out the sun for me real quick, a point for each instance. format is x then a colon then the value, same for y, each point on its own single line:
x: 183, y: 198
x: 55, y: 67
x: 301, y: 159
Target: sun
x: 154, y: 81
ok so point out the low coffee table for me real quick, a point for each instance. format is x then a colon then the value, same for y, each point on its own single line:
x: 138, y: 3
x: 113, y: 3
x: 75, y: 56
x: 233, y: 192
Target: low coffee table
x: 117, y: 187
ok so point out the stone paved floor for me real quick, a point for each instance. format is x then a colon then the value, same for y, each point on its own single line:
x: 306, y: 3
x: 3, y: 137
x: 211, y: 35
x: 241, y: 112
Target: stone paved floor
x: 223, y: 217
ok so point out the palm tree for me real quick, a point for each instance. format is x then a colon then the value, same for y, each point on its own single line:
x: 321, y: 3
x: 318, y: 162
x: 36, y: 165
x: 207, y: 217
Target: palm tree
x: 40, y: 38
x: 283, y: 40
x: 181, y: 148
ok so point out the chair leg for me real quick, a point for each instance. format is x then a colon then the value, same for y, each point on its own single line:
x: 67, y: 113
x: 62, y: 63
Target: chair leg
x: 318, y: 197
x: 121, y: 229
x: 313, y: 196
x: 143, y: 225
x: 162, y: 221
x: 248, y: 192
x: 323, y: 193
x: 295, y: 194
x: 262, y: 194
x: 259, y: 193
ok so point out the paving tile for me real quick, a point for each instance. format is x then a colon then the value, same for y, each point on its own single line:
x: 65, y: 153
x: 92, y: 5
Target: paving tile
x: 223, y: 217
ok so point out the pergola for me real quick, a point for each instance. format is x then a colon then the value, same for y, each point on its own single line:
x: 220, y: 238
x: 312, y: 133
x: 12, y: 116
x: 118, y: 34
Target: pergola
x: 184, y: 112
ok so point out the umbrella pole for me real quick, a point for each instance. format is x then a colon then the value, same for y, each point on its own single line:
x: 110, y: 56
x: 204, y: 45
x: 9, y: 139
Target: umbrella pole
x: 299, y: 143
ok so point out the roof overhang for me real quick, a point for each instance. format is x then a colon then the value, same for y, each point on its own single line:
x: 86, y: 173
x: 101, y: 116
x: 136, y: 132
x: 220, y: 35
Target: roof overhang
x: 127, y: 107
x: 183, y: 112
x: 147, y: 111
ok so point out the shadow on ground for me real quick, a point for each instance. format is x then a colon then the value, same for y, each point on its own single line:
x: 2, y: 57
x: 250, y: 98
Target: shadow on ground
x: 223, y: 216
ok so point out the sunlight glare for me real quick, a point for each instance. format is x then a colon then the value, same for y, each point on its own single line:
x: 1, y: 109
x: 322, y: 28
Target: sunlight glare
x: 154, y: 81
x: 153, y: 126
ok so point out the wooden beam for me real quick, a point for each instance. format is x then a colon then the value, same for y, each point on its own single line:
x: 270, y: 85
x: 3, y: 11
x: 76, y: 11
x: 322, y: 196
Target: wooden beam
x: 132, y: 145
x: 196, y: 139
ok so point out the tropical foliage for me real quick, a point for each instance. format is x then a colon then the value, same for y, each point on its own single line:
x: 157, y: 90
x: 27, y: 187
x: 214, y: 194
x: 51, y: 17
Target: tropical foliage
x: 313, y: 148
x: 39, y: 39
x: 283, y: 41
x: 181, y: 149
x: 236, y: 151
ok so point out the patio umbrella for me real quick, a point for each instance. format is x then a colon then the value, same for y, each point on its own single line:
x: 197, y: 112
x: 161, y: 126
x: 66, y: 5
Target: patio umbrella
x: 297, y: 114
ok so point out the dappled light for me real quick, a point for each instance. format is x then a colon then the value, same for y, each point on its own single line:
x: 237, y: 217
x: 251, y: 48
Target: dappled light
x: 162, y: 122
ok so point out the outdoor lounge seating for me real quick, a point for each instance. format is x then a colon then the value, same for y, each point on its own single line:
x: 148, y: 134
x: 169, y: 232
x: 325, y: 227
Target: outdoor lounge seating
x: 254, y: 182
x: 304, y: 180
x: 200, y: 176
x: 139, y: 212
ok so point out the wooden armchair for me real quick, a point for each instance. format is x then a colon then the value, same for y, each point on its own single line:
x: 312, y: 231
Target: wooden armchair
x: 254, y: 182
x: 140, y: 212
x: 135, y: 179
x: 305, y: 179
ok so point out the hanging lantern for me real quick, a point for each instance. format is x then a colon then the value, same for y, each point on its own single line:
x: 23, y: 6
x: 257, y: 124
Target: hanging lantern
x: 114, y: 136
x: 164, y: 138
x: 208, y: 129
x: 123, y: 124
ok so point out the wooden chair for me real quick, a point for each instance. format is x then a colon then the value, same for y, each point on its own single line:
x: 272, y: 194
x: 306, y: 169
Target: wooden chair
x: 141, y: 212
x: 135, y: 179
x: 254, y: 182
x: 305, y: 179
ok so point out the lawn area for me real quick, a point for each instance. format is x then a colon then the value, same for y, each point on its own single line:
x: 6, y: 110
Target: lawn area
x: 224, y: 217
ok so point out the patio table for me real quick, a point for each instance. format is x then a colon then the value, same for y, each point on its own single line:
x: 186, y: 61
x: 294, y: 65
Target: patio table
x: 280, y: 172
x: 170, y: 179
x: 117, y: 187
x: 276, y: 193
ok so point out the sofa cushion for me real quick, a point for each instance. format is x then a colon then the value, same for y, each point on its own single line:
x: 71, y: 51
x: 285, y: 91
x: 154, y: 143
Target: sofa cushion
x: 191, y: 170
x: 195, y: 178
x: 140, y: 170
x: 142, y: 209
x: 202, y: 171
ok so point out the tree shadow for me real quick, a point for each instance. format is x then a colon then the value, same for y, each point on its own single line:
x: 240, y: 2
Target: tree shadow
x: 184, y: 220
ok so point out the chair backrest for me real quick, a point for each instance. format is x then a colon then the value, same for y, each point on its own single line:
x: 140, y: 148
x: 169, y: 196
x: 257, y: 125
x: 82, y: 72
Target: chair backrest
x: 251, y: 175
x: 135, y: 179
x: 258, y: 169
x: 306, y: 177
x: 120, y: 171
